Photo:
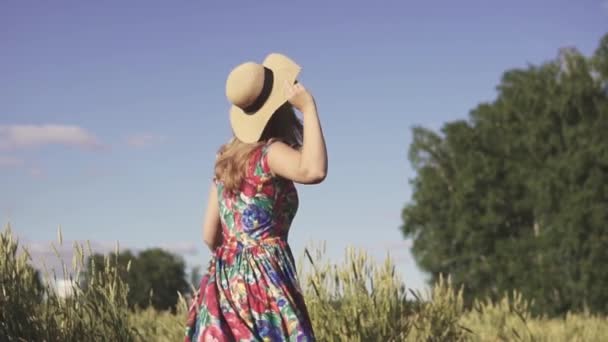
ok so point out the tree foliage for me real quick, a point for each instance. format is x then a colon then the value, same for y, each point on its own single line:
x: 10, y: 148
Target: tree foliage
x: 154, y: 276
x: 516, y: 196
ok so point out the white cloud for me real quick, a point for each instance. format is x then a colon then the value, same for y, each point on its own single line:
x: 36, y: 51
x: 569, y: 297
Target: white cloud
x: 36, y: 172
x: 397, y: 245
x: 144, y: 139
x: 182, y: 248
x: 44, y: 256
x: 7, y: 161
x: 23, y: 136
x: 64, y: 287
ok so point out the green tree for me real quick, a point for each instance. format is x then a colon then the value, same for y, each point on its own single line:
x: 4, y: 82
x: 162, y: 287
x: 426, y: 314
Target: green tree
x: 154, y: 276
x: 516, y: 197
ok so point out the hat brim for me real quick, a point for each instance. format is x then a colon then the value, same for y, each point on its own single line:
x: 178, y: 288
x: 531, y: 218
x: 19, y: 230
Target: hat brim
x: 248, y: 127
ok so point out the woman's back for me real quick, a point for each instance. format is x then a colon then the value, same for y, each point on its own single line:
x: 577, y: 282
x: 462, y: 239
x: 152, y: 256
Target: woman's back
x: 262, y: 209
x: 258, y: 296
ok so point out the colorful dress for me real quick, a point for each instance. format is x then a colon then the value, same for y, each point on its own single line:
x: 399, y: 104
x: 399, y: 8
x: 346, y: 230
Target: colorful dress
x: 251, y: 291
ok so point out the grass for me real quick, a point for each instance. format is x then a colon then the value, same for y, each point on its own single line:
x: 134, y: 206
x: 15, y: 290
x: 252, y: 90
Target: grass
x: 357, y: 300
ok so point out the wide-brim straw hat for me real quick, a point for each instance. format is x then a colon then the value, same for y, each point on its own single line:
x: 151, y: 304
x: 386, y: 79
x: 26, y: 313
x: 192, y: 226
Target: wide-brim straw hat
x: 256, y: 91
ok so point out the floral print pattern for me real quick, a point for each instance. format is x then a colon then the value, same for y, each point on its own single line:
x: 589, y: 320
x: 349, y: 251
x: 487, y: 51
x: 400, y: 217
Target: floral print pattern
x: 251, y: 290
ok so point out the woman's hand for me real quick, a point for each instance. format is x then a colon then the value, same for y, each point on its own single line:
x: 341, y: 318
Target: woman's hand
x: 299, y: 97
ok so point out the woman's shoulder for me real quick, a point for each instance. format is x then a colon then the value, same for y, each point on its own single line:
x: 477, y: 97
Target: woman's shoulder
x: 259, y: 158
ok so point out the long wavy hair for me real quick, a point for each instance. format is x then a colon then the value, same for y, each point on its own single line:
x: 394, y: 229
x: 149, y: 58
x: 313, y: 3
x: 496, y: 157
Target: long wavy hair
x: 233, y: 157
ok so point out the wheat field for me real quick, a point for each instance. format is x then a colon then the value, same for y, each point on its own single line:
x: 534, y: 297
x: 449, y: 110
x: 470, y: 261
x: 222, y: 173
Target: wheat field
x: 356, y: 300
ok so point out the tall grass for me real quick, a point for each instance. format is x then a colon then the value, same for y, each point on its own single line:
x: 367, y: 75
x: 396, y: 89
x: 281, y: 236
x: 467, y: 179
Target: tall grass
x: 34, y: 311
x: 356, y: 300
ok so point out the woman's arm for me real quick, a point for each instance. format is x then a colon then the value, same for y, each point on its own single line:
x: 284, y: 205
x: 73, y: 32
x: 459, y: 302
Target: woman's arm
x: 212, y: 227
x: 309, y: 165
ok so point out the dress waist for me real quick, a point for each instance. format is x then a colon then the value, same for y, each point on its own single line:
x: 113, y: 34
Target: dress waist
x: 237, y: 243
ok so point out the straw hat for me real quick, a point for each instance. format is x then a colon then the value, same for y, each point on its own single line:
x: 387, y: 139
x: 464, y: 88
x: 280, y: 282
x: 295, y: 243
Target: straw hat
x: 256, y: 91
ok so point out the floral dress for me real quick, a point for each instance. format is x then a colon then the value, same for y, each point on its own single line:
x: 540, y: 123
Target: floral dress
x: 251, y: 291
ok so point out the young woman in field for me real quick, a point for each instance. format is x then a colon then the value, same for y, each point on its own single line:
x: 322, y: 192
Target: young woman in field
x: 251, y: 292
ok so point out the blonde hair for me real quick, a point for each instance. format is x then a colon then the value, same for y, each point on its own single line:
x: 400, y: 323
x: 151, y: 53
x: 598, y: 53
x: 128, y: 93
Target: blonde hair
x: 233, y: 157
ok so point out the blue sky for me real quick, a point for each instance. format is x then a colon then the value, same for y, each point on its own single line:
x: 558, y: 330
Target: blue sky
x: 111, y: 111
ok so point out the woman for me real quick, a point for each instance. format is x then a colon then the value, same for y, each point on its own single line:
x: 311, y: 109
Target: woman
x: 251, y: 291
